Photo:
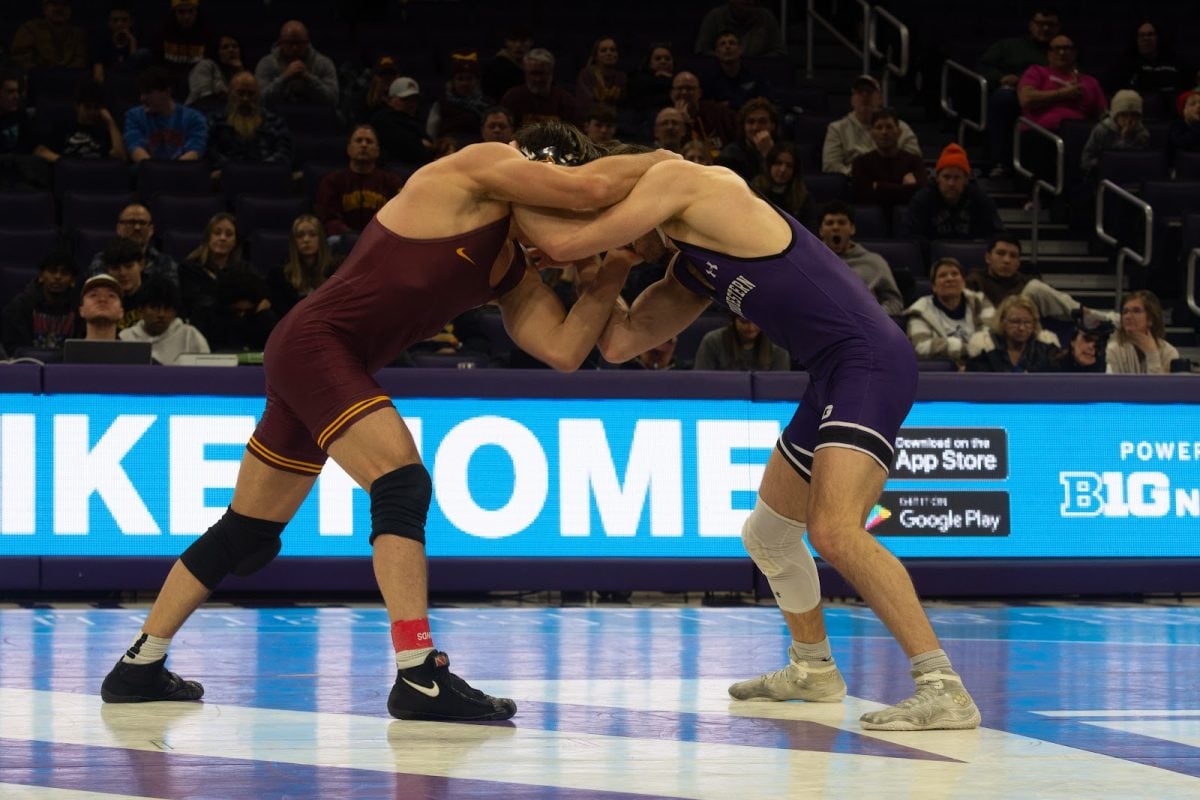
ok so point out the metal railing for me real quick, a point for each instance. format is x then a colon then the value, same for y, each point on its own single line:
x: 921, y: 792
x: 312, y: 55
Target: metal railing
x: 951, y: 111
x: 1142, y: 258
x: 890, y: 68
x: 813, y: 16
x: 1039, y: 183
x: 1191, y: 280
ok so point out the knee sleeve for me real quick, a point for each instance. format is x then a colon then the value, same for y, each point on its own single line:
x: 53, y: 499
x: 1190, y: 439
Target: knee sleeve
x: 777, y: 546
x: 400, y: 503
x: 237, y: 544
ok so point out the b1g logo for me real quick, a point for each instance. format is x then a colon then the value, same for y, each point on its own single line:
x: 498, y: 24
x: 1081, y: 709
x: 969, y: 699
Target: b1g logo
x: 1119, y: 494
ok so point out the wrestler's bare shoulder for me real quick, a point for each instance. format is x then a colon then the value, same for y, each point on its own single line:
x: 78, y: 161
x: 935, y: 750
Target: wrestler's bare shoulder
x: 447, y: 197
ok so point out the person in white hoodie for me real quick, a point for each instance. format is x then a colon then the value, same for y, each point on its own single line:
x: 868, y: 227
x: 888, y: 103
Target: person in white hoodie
x: 941, y: 323
x: 169, y: 336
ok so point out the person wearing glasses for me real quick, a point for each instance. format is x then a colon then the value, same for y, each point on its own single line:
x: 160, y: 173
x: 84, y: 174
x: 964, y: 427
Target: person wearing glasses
x: 1016, y: 342
x: 294, y: 73
x: 135, y: 223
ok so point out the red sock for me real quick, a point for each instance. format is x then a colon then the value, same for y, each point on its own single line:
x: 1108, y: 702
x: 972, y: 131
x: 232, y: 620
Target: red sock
x: 412, y: 641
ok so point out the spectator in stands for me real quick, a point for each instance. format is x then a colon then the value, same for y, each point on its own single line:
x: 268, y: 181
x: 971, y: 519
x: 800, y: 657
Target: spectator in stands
x: 601, y: 124
x: 1015, y: 342
x: 208, y: 82
x: 506, y: 69
x: 887, y: 176
x: 93, y: 133
x: 836, y: 229
x: 42, y: 317
x: 1120, y: 129
x: 100, y: 308
x: 368, y: 96
x: 601, y: 80
x: 756, y: 27
x: 1050, y: 94
x: 243, y: 316
x: 781, y: 183
x: 1084, y: 353
x: 160, y: 325
x: 941, y: 323
x: 458, y: 113
x: 347, y: 199
x: 308, y: 265
x: 538, y: 99
x: 124, y: 261
x: 1184, y: 135
x: 1140, y: 345
x: 497, y: 125
x: 758, y: 122
x: 184, y: 39
x: 742, y: 346
x: 296, y: 74
x: 661, y: 357
x: 18, y: 168
x: 850, y: 136
x: 401, y: 134
x: 245, y: 131
x: 51, y: 40
x: 1003, y: 64
x: 730, y: 81
x: 118, y: 51
x: 650, y: 84
x: 1149, y: 69
x: 160, y: 128
x: 670, y: 131
x: 1002, y: 277
x: 135, y: 223
x: 953, y: 206
x: 707, y: 121
x: 697, y: 152
x: 219, y: 251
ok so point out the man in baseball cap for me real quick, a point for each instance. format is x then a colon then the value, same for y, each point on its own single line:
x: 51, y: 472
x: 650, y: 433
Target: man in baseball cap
x: 100, y: 307
x: 400, y: 127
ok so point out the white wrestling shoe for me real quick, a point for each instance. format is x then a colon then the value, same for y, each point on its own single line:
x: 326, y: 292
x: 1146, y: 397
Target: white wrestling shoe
x: 799, y: 680
x: 941, y: 702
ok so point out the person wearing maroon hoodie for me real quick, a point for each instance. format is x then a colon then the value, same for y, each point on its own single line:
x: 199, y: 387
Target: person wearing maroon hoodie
x: 348, y: 198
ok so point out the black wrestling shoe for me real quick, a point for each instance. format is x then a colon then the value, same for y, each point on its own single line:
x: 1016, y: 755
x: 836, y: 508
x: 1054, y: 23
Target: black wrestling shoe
x: 432, y: 692
x: 146, y: 683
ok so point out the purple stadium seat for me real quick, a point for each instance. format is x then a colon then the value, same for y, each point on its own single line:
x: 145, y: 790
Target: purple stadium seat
x: 689, y: 338
x: 1132, y: 168
x: 22, y: 210
x: 96, y: 211
x: 969, y: 254
x: 172, y: 177
x: 902, y: 255
x: 184, y: 213
x: 25, y: 248
x: 869, y: 222
x: 90, y: 176
x: 268, y: 249
x: 262, y: 179
x: 255, y: 212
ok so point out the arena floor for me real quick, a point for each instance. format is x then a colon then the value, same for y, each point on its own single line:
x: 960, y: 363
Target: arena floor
x: 1078, y: 701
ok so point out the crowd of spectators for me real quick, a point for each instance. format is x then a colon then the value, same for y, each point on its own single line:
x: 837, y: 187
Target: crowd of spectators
x: 194, y: 94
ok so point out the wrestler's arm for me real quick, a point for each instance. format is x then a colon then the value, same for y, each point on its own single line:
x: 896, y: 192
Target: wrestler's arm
x: 663, y: 192
x: 664, y: 309
x: 537, y: 323
x: 504, y: 174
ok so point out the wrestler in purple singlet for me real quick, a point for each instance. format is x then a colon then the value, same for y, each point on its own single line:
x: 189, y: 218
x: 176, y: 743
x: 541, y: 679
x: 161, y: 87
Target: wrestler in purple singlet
x: 863, y: 373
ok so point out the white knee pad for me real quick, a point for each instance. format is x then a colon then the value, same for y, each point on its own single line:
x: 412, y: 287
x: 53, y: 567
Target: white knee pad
x: 777, y: 546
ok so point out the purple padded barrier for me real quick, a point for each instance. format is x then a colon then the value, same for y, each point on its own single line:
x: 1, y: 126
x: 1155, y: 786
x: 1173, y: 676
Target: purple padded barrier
x: 154, y: 380
x: 1048, y: 577
x: 1005, y: 388
x: 103, y: 574
x: 20, y: 378
x: 20, y: 574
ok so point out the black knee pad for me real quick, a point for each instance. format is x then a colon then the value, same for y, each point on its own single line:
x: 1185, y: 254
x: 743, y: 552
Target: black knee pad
x: 400, y: 503
x: 237, y: 544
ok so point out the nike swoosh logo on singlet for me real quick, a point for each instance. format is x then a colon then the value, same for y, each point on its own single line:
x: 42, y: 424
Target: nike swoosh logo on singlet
x: 462, y: 253
x: 428, y: 691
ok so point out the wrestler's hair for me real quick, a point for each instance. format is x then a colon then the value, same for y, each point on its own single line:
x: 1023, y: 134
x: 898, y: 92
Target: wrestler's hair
x: 556, y: 141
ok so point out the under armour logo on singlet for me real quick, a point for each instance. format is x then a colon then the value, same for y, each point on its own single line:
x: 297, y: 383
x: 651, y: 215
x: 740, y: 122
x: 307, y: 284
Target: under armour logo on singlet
x: 711, y: 269
x: 462, y: 253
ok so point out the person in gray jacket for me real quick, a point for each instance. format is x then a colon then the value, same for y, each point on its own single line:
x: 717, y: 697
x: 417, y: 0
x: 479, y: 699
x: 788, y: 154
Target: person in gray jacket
x: 742, y: 346
x: 940, y: 323
x: 293, y: 73
x: 837, y: 232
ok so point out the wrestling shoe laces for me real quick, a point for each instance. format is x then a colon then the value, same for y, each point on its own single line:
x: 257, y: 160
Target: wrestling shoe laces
x: 941, y: 702
x: 800, y: 680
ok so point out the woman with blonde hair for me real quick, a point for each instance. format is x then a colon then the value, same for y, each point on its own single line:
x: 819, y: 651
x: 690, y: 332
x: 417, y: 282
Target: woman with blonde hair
x: 1016, y: 341
x: 309, y: 264
x: 601, y: 80
x: 218, y: 252
x: 1139, y: 346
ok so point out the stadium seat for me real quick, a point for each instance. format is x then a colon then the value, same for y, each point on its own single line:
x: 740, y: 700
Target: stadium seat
x: 312, y: 120
x: 308, y: 148
x: 902, y: 255
x: 22, y: 210
x: 25, y: 248
x: 1129, y: 169
x: 825, y: 187
x: 264, y: 179
x: 90, y: 176
x: 969, y: 254
x: 689, y: 338
x: 54, y: 83
x: 177, y: 244
x: 869, y: 222
x: 172, y: 177
x: 96, y: 211
x: 268, y: 249
x: 1187, y: 166
x: 314, y: 171
x: 89, y: 242
x: 256, y: 212
x: 184, y: 213
x: 13, y: 280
